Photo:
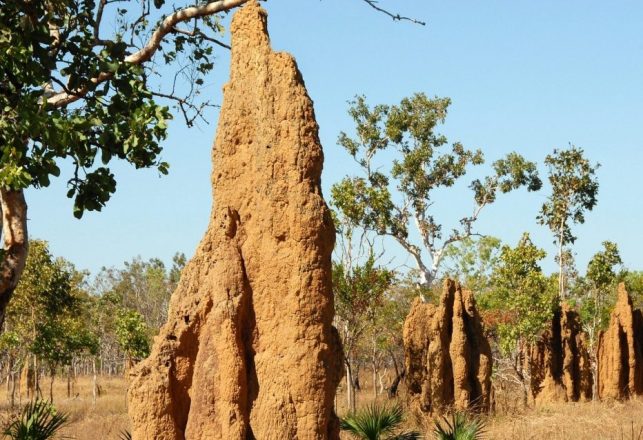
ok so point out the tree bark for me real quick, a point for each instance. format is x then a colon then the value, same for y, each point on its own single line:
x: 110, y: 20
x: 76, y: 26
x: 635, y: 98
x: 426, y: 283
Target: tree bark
x: 392, y: 391
x: 14, y: 246
x: 519, y: 370
x: 350, y: 387
x: 561, y: 276
x: 51, y: 385
x: 355, y: 378
x: 13, y: 389
x: 68, y: 382
x: 36, y: 367
x: 8, y: 375
x: 64, y: 98
x: 94, y: 383
x: 374, y: 367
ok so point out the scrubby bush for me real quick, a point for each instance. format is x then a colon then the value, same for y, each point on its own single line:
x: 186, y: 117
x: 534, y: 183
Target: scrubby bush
x: 377, y: 422
x: 459, y: 427
x: 39, y: 420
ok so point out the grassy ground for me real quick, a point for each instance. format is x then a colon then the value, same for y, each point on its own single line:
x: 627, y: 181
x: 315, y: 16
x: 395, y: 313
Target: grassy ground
x: 595, y: 420
x: 563, y: 421
x: 105, y: 420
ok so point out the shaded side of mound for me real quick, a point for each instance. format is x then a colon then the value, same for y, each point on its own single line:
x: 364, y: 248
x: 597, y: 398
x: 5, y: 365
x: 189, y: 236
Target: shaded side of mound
x: 620, y: 352
x: 249, y: 351
x: 448, y: 358
x: 559, y: 362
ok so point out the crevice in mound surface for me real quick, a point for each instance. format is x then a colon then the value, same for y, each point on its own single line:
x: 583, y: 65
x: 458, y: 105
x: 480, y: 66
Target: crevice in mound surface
x: 559, y: 361
x: 248, y: 325
x: 257, y: 356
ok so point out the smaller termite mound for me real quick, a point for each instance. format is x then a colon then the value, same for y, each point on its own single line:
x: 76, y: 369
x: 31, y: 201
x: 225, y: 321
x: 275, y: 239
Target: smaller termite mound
x: 448, y: 358
x: 559, y: 362
x: 620, y: 352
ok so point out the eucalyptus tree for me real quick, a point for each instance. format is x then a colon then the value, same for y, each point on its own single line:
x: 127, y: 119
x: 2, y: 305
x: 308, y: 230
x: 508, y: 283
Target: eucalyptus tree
x: 595, y: 307
x: 43, y: 317
x: 133, y: 336
x: 472, y: 261
x: 602, y: 274
x: 521, y: 293
x: 80, y: 83
x: 634, y: 282
x: 144, y: 286
x: 574, y: 190
x: 391, y: 196
x: 359, y: 293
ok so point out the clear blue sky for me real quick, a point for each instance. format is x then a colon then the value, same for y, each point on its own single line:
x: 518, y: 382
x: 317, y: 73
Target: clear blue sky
x: 523, y: 75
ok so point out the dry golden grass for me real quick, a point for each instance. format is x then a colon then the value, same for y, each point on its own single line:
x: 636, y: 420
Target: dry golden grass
x: 578, y: 421
x: 105, y: 420
x: 563, y: 421
x: 592, y: 420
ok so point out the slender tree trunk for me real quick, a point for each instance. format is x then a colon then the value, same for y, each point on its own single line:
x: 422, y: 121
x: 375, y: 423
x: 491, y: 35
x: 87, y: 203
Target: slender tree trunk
x: 51, y: 385
x: 13, y: 389
x: 374, y: 367
x: 427, y: 276
x: 38, y: 391
x: 380, y: 378
x: 392, y: 391
x: 594, y: 365
x: 14, y: 244
x: 519, y: 369
x: 8, y: 377
x: 350, y: 386
x: 524, y: 388
x: 356, y: 383
x: 94, y: 383
x: 561, y: 276
x: 525, y: 393
x: 594, y: 343
x: 20, y: 386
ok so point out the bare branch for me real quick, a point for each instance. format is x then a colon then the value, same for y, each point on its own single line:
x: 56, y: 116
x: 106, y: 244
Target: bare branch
x: 139, y: 21
x: 145, y: 54
x: 197, y: 32
x: 184, y: 106
x: 99, y: 18
x: 394, y: 16
x: 172, y: 20
x: 167, y: 26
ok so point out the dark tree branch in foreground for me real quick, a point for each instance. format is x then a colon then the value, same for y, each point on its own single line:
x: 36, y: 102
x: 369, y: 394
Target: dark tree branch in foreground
x: 76, y: 89
x: 145, y: 54
x: 394, y: 16
x: 185, y: 105
x: 198, y: 33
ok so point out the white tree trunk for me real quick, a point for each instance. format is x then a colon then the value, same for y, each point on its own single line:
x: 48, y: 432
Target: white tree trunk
x: 14, y: 246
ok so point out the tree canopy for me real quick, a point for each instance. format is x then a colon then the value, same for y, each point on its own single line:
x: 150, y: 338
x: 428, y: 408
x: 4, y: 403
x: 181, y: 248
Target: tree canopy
x: 574, y: 190
x: 387, y: 199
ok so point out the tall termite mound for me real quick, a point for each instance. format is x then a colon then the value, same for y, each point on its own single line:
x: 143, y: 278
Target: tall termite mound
x: 620, y: 351
x: 448, y: 358
x: 559, y: 362
x: 249, y: 351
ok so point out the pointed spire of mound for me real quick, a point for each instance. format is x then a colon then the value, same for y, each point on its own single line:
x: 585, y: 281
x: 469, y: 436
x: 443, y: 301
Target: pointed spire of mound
x: 620, y: 351
x: 559, y: 362
x: 249, y: 350
x: 448, y: 357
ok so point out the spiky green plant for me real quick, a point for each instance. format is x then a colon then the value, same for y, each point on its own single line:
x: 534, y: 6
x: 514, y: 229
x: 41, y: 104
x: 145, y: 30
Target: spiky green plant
x: 377, y: 422
x: 125, y: 435
x: 460, y: 427
x: 39, y: 420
